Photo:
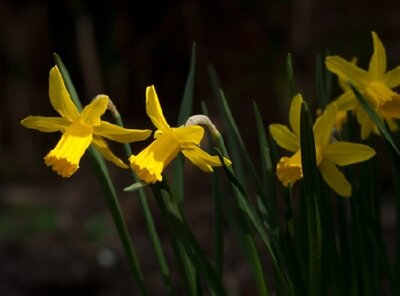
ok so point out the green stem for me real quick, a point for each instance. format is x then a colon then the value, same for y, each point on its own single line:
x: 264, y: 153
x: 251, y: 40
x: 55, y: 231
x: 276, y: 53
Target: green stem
x: 148, y: 218
x: 116, y: 213
x: 107, y: 188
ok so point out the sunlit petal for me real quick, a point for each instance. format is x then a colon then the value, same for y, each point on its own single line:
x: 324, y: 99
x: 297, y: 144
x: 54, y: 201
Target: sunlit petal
x: 91, y: 113
x: 64, y: 158
x: 189, y: 135
x: 105, y: 151
x: 323, y: 126
x: 46, y: 124
x: 294, y: 114
x: 120, y: 134
x: 392, y: 78
x: 365, y: 122
x: 346, y: 70
x: 334, y: 178
x: 377, y: 65
x: 203, y: 160
x: 59, y: 96
x: 284, y: 137
x: 345, y: 153
x: 153, y: 109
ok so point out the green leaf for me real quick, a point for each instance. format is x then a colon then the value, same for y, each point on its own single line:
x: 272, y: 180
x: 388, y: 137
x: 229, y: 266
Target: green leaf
x: 178, y: 187
x: 290, y: 76
x: 312, y: 192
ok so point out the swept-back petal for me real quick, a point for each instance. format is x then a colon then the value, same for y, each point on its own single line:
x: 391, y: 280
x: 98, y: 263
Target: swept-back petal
x: 345, y: 153
x: 59, y: 96
x: 91, y: 113
x: 294, y: 114
x: 346, y: 101
x: 284, y: 137
x: 334, y: 178
x: 392, y: 78
x: 377, y: 64
x: 153, y: 109
x: 323, y: 126
x: 346, y: 70
x: 65, y: 157
x: 46, y: 124
x: 189, y: 135
x: 367, y: 125
x: 120, y: 134
x: 104, y: 150
x: 202, y: 159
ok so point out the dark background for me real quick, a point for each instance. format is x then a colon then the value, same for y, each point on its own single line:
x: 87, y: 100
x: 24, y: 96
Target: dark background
x: 55, y: 234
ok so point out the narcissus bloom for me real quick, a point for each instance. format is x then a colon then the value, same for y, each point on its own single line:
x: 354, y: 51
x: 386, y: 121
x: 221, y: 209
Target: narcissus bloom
x: 169, y: 141
x: 79, y: 130
x: 375, y: 84
x: 329, y: 152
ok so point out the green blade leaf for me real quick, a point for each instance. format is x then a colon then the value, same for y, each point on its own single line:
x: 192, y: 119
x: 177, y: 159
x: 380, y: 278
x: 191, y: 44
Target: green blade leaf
x: 178, y: 187
x: 312, y: 192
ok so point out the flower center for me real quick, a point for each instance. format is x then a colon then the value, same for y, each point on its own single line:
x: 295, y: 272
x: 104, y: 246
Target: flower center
x: 289, y: 170
x: 383, y: 99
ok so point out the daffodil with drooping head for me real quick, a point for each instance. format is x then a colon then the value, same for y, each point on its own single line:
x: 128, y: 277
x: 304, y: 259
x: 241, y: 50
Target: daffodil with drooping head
x: 79, y: 129
x: 168, y: 142
x: 329, y: 153
x: 376, y: 85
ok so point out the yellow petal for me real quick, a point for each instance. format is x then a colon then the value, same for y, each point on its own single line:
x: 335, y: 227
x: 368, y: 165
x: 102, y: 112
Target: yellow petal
x: 46, y: 124
x: 392, y: 78
x: 150, y: 162
x: 120, y: 134
x: 323, y: 126
x: 65, y: 157
x: 343, y: 83
x: 366, y: 123
x: 59, y: 96
x: 345, y: 153
x: 91, y: 113
x: 377, y: 65
x: 294, y: 114
x: 104, y: 150
x: 346, y: 70
x: 284, y: 137
x: 346, y: 101
x: 189, y: 135
x: 334, y: 178
x: 153, y: 109
x: 203, y: 160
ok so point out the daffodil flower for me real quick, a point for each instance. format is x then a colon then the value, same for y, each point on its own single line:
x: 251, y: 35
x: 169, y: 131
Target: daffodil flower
x: 329, y: 152
x: 375, y: 84
x: 169, y: 141
x: 79, y: 130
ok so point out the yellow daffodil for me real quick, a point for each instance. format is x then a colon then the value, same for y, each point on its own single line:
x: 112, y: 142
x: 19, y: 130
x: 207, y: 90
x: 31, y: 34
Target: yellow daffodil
x: 329, y: 153
x: 375, y: 84
x: 79, y: 130
x: 169, y: 141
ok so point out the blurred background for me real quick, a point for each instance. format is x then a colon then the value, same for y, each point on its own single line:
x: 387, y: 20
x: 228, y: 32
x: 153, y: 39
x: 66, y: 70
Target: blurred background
x: 56, y: 236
